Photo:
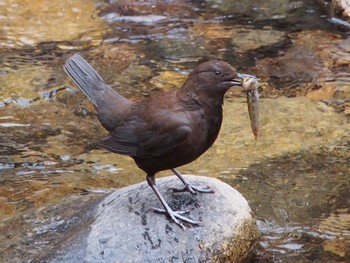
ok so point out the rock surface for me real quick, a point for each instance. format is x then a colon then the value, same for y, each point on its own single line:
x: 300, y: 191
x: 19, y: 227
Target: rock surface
x: 343, y: 6
x: 127, y: 230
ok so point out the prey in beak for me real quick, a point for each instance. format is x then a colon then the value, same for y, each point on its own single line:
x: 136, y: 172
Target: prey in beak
x: 238, y: 80
x: 250, y: 84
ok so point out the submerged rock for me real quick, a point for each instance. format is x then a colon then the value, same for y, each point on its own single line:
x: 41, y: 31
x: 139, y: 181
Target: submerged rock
x: 126, y: 229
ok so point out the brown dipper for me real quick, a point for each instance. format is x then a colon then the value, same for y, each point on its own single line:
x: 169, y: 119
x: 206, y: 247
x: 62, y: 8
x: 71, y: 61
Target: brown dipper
x: 166, y: 130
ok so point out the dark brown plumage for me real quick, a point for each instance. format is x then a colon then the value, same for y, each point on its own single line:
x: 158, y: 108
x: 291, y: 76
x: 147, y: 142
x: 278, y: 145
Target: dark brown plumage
x: 166, y: 130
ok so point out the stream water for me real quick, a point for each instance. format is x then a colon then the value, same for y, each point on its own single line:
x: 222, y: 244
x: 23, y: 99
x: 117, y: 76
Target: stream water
x: 296, y: 176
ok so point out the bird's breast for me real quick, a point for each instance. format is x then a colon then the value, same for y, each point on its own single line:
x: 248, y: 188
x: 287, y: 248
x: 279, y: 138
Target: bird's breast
x: 206, y: 125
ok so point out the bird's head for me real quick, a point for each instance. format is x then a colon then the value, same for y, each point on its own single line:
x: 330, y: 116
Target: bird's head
x: 213, y: 78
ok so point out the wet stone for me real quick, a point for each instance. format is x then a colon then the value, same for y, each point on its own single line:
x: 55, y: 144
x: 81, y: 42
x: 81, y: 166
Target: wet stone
x: 251, y: 39
x: 126, y: 229
x: 341, y: 6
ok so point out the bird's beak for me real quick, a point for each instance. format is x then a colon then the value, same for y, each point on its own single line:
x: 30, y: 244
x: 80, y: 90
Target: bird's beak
x: 238, y: 80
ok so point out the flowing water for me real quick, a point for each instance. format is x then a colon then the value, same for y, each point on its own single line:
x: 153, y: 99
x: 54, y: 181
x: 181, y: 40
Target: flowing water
x: 296, y: 176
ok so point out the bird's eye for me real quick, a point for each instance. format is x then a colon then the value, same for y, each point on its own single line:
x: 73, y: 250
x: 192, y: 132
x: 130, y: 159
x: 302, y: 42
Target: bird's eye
x: 217, y: 73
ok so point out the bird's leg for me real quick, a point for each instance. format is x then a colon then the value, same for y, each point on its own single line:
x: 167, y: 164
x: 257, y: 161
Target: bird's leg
x: 174, y: 215
x: 189, y: 187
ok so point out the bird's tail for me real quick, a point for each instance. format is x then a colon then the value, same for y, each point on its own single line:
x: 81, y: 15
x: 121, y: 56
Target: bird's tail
x: 110, y: 105
x: 86, y: 78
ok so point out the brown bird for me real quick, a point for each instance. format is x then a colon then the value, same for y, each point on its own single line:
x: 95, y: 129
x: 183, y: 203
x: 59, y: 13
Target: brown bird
x: 166, y: 130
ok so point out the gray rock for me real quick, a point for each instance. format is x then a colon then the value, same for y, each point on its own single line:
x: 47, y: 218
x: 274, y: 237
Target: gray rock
x: 127, y: 230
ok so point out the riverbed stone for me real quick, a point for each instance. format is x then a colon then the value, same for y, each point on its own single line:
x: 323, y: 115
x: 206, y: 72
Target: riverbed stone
x: 341, y: 6
x: 126, y: 229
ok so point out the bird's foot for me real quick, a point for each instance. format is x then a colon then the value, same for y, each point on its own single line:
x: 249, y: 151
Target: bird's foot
x: 193, y: 189
x: 176, y: 216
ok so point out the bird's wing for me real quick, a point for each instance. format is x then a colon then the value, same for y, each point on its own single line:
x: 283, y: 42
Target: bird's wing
x: 137, y: 138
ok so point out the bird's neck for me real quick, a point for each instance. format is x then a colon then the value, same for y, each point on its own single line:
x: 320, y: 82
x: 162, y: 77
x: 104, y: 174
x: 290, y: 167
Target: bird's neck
x: 198, y: 97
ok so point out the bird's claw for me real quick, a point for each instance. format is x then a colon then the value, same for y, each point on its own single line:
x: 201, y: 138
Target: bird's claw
x: 175, y: 215
x: 163, y: 211
x: 193, y: 189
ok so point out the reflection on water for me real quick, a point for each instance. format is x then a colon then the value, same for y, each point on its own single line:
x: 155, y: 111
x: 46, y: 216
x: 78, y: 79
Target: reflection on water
x: 27, y: 23
x: 296, y: 176
x: 307, y: 208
